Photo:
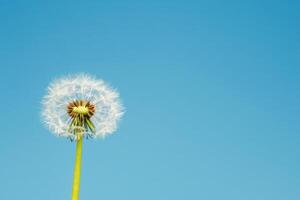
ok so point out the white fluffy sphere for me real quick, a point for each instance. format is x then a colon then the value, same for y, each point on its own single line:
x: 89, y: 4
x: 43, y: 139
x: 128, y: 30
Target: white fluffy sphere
x: 108, y: 108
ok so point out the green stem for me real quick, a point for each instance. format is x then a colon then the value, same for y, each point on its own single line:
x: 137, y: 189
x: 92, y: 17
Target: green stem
x: 76, y: 181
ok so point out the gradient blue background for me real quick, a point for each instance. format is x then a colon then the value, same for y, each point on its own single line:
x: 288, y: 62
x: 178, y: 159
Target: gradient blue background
x: 211, y: 90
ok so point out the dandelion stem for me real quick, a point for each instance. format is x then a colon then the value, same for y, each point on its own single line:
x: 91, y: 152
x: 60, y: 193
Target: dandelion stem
x: 76, y: 181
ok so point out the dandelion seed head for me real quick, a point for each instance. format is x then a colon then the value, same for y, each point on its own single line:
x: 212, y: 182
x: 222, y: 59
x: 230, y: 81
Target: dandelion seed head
x: 81, y: 103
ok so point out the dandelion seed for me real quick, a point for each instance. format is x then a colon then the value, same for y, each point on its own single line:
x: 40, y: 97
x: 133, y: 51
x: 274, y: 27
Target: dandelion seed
x: 82, y: 101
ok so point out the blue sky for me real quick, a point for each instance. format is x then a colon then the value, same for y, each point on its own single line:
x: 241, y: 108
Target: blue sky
x: 211, y: 90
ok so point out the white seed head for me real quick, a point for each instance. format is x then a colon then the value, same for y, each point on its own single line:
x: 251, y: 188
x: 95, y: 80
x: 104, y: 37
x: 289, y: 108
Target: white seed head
x: 82, y: 87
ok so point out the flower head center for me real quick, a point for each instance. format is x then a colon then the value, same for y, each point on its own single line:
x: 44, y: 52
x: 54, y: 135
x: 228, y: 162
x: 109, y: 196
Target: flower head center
x: 81, y: 110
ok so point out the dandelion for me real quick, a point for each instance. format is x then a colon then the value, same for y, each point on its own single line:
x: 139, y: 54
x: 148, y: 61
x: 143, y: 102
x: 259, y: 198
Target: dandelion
x: 78, y: 107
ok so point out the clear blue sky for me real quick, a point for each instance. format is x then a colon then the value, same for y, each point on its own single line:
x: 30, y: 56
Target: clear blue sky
x: 211, y: 91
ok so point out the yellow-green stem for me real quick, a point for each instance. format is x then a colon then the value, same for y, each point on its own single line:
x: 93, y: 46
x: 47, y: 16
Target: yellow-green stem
x: 76, y: 181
